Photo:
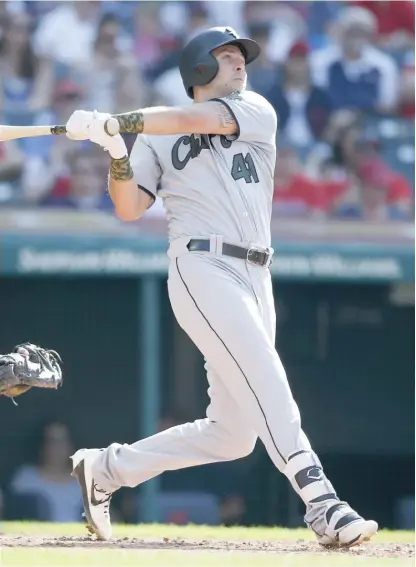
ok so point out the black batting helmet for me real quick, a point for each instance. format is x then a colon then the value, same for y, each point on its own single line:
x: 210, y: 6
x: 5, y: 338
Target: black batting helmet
x: 198, y: 66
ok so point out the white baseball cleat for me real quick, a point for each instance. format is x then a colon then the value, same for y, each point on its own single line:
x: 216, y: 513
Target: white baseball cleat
x: 336, y: 524
x: 96, y: 501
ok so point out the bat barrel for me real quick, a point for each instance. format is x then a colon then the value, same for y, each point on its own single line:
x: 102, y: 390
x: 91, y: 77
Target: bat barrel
x: 17, y: 132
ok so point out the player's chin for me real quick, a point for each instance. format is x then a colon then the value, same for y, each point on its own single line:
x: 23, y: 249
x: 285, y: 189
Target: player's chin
x: 239, y: 84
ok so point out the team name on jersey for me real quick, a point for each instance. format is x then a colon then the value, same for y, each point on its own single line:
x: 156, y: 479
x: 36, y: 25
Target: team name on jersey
x: 196, y: 145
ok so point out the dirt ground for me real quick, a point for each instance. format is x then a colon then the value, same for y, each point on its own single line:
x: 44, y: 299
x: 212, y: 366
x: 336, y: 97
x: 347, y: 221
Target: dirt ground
x: 276, y: 547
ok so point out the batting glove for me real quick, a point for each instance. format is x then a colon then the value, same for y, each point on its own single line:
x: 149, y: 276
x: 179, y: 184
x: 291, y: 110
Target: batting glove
x: 77, y: 127
x: 114, y: 145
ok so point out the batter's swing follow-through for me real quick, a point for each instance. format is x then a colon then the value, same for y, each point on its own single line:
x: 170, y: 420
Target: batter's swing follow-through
x: 212, y: 163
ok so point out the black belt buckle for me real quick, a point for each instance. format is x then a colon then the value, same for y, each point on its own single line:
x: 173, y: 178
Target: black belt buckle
x: 257, y: 257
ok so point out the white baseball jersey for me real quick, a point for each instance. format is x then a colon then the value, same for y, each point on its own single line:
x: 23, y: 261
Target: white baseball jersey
x: 214, y: 184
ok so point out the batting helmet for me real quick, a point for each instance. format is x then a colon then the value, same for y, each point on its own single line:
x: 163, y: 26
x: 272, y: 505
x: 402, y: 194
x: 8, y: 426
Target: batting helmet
x: 198, y: 66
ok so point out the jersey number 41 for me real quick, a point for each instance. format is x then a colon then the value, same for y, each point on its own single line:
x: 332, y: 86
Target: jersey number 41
x: 244, y: 168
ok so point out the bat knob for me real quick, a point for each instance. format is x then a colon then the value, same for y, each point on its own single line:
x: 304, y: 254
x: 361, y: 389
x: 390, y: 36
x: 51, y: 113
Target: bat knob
x: 112, y: 127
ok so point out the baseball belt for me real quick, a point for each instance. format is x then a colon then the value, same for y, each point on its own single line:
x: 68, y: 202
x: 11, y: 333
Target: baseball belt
x: 251, y: 255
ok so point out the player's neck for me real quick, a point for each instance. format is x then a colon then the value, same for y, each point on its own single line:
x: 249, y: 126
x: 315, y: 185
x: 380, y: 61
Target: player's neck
x: 205, y: 94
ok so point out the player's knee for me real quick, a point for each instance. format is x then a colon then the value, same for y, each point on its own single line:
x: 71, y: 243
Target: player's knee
x: 243, y: 445
x: 232, y: 442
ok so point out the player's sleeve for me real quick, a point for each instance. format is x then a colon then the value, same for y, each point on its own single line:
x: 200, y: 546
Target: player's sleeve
x: 145, y: 164
x: 255, y: 117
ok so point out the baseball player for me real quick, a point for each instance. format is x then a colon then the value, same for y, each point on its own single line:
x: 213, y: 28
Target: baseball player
x: 212, y: 163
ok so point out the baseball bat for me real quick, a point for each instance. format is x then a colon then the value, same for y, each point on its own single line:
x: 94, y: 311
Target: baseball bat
x: 112, y: 127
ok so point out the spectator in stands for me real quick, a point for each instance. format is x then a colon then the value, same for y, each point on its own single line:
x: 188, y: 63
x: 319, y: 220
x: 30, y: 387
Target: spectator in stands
x: 39, y: 9
x: 25, y: 79
x: 48, y: 478
x: 198, y: 19
x: 46, y: 163
x: 322, y: 22
x: 230, y: 11
x: 295, y: 195
x: 168, y: 86
x: 3, y: 17
x: 111, y: 79
x: 303, y: 109
x: 11, y: 162
x: 66, y: 34
x: 123, y: 10
x: 386, y: 194
x: 86, y: 187
x: 167, y: 41
x: 287, y: 25
x: 262, y: 73
x: 355, y: 73
x: 358, y: 184
x: 148, y: 35
x: 407, y: 86
x: 395, y: 22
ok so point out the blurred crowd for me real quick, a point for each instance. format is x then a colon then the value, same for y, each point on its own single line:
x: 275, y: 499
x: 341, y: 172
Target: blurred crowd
x: 340, y: 75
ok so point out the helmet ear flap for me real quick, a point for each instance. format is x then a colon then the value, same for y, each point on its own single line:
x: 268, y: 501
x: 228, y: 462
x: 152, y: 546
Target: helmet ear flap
x: 200, y: 69
x: 205, y: 70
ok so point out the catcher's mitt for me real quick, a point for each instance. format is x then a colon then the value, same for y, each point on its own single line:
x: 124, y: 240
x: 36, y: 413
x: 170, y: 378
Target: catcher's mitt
x: 29, y: 366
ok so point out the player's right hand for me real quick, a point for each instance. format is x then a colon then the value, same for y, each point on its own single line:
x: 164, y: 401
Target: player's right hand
x: 77, y: 127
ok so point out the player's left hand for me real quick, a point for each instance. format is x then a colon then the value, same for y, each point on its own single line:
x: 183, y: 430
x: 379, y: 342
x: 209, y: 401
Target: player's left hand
x: 29, y: 366
x: 77, y: 127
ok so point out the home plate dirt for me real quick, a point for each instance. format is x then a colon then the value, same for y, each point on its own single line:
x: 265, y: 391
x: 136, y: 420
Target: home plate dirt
x: 253, y: 546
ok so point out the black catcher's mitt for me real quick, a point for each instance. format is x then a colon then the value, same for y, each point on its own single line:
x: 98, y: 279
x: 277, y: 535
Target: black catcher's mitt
x: 29, y: 366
